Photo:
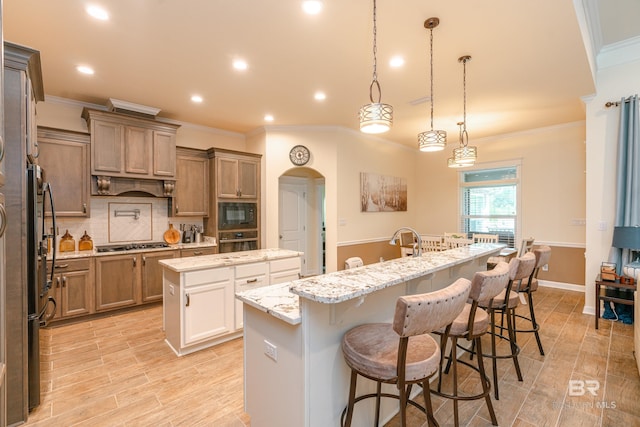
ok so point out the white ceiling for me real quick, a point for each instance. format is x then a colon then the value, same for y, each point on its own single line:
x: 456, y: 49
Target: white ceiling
x: 529, y: 64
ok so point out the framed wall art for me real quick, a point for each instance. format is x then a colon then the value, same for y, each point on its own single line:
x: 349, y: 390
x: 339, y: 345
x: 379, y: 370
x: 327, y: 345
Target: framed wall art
x: 381, y: 193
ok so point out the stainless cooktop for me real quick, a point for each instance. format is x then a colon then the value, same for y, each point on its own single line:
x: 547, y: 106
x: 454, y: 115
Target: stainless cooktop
x: 131, y: 246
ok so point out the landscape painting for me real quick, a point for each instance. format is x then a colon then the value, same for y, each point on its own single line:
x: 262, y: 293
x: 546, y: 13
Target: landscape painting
x: 381, y: 193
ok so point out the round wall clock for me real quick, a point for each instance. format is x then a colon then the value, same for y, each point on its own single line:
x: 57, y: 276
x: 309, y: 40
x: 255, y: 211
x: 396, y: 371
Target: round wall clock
x: 299, y: 155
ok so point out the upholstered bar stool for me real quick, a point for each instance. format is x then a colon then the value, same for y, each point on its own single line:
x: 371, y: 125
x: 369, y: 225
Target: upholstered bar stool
x: 402, y: 353
x: 472, y: 324
x: 527, y: 287
x: 505, y: 304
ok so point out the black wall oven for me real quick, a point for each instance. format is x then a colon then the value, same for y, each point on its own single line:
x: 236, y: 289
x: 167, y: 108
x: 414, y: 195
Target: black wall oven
x: 237, y: 216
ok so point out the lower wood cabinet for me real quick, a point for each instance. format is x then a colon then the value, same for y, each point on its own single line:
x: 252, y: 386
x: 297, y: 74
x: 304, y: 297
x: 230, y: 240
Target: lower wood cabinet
x: 152, y: 275
x: 197, y: 252
x: 117, y: 281
x: 73, y: 287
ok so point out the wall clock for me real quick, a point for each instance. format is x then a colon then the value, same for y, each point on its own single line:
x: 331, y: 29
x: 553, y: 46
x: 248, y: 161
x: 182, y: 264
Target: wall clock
x: 299, y: 155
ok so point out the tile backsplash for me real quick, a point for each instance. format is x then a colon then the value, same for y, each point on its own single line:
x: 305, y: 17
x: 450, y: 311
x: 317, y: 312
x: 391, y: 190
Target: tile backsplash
x: 105, y: 227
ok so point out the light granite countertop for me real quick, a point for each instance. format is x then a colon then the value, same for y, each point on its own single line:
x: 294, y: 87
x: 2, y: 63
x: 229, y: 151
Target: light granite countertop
x: 282, y: 300
x: 226, y: 259
x: 207, y: 243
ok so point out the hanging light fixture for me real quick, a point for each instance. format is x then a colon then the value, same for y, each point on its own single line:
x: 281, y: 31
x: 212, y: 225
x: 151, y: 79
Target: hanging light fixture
x: 451, y: 160
x: 432, y: 140
x: 465, y: 154
x: 375, y: 117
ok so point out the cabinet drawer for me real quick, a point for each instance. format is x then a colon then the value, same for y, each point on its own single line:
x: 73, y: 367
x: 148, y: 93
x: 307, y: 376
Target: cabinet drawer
x: 255, y: 282
x: 63, y: 265
x: 285, y: 264
x: 249, y: 270
x: 197, y: 252
x: 193, y: 278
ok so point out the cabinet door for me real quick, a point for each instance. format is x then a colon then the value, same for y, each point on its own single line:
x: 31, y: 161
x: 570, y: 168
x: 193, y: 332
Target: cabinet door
x: 164, y: 153
x: 248, y: 179
x: 64, y: 157
x: 137, y: 150
x: 208, y: 311
x: 192, y: 187
x: 75, y: 293
x: 227, y: 177
x: 106, y: 147
x: 117, y: 282
x: 152, y: 275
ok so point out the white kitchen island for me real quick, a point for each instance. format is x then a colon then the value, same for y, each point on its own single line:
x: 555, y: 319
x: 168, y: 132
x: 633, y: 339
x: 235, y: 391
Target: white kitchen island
x: 295, y: 374
x: 199, y: 307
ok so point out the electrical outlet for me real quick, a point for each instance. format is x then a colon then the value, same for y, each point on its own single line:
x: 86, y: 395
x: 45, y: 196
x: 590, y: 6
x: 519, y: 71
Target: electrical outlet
x: 545, y: 267
x: 271, y: 350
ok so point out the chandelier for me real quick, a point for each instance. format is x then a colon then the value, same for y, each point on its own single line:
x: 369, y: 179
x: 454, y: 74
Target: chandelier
x: 432, y: 140
x: 375, y: 117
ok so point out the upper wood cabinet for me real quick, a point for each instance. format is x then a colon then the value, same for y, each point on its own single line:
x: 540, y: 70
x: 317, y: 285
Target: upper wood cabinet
x: 64, y: 157
x: 192, y: 183
x: 237, y: 175
x: 127, y: 146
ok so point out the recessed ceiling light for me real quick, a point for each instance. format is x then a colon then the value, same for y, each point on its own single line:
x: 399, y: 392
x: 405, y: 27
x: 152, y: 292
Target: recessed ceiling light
x: 320, y: 96
x: 240, y: 64
x: 85, y: 70
x: 98, y: 12
x: 268, y: 118
x: 197, y: 98
x: 396, y: 61
x: 312, y: 7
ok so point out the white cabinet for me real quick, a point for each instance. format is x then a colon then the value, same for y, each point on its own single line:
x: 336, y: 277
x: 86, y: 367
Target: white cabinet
x: 207, y: 301
x: 284, y: 270
x: 248, y: 276
x: 199, y: 305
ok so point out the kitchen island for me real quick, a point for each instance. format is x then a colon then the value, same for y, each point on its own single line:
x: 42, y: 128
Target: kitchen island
x: 295, y: 374
x: 199, y: 308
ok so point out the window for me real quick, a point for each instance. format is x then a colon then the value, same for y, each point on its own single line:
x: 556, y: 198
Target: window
x: 489, y: 202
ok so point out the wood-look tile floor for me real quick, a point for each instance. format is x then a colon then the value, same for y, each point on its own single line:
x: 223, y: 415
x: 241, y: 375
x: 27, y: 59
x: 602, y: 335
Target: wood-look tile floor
x: 118, y: 371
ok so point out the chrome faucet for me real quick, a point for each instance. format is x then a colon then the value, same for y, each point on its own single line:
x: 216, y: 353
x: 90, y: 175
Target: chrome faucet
x: 417, y: 244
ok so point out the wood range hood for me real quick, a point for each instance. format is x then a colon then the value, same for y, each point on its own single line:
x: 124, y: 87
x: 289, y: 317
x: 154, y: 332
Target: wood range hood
x: 104, y: 185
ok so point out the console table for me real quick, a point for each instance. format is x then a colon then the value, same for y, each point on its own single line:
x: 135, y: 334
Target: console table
x: 614, y: 291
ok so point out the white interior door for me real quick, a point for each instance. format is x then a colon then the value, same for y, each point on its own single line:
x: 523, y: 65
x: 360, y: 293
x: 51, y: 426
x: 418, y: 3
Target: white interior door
x: 293, y: 217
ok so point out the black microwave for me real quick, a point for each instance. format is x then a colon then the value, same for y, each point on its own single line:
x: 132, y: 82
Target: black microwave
x: 236, y: 216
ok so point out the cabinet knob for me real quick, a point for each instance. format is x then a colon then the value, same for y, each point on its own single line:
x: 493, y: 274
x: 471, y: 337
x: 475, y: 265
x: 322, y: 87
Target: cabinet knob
x: 1, y: 148
x: 64, y: 281
x: 252, y: 280
x: 135, y: 261
x: 197, y: 252
x: 84, y: 208
x: 57, y: 282
x: 188, y: 300
x: 177, y: 210
x: 144, y: 260
x: 3, y: 220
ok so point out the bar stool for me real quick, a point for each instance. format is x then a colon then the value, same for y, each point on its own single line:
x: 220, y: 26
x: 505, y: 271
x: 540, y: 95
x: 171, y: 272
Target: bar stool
x: 402, y: 353
x: 542, y: 254
x: 505, y: 304
x: 472, y: 324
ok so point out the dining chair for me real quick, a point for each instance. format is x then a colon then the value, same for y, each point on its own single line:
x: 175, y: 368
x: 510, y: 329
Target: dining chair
x: 485, y: 238
x: 456, y: 242
x: 431, y: 243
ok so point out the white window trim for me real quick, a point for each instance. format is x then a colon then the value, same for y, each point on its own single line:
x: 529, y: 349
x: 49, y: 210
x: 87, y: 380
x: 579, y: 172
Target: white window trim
x: 517, y: 163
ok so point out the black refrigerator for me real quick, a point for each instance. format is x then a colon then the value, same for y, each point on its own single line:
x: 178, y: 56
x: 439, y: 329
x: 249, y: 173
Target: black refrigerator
x: 40, y: 304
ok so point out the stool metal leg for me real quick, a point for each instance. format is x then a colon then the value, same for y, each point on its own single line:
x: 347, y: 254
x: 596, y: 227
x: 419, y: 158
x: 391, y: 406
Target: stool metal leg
x: 536, y: 327
x: 514, y: 347
x: 426, y: 392
x: 494, y: 361
x: 485, y: 382
x: 352, y: 398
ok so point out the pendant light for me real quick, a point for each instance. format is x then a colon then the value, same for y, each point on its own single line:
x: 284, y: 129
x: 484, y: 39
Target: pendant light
x: 451, y: 160
x: 375, y: 117
x: 465, y: 154
x: 432, y: 140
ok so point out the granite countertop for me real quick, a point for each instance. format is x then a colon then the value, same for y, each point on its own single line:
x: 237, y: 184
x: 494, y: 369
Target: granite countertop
x: 282, y: 300
x: 203, y: 262
x: 207, y: 243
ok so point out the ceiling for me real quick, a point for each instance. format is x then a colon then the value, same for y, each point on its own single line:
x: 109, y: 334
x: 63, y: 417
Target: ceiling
x: 529, y: 64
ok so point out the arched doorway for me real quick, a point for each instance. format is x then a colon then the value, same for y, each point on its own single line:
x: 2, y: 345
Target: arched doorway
x: 301, y: 217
